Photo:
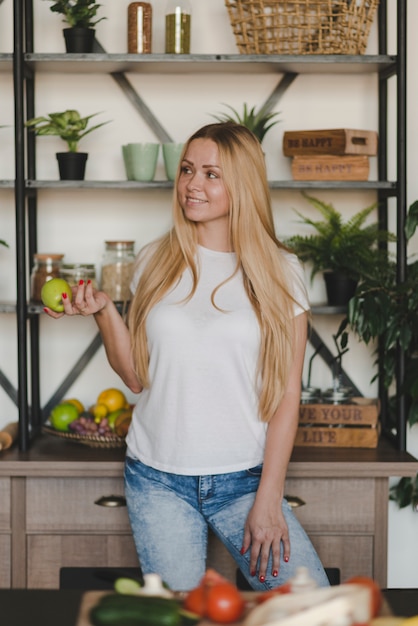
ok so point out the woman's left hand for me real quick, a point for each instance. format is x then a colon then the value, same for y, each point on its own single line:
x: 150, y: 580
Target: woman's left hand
x: 266, y: 530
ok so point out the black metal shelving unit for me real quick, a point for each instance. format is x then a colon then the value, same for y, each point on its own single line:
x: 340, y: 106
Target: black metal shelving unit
x: 26, y: 64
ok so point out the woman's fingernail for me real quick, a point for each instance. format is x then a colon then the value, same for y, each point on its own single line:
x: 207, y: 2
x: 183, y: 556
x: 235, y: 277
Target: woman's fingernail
x: 89, y: 282
x: 81, y: 282
x: 286, y: 559
x: 64, y: 296
x: 262, y: 579
x: 45, y: 309
x: 253, y: 572
x: 242, y: 550
x: 275, y: 573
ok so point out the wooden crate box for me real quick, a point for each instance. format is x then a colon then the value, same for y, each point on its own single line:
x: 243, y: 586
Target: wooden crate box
x: 330, y: 167
x: 353, y: 425
x: 340, y: 141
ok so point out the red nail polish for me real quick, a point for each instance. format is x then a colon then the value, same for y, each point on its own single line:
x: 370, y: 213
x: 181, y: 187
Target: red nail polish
x: 275, y: 573
x: 253, y: 572
x: 262, y: 579
x: 64, y: 296
x: 286, y: 559
x: 81, y: 282
x: 242, y: 551
x: 45, y: 309
x: 89, y: 282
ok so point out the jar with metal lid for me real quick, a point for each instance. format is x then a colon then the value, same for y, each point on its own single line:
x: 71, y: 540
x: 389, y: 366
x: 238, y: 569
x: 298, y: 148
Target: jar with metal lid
x: 45, y: 267
x: 139, y: 28
x: 117, y: 269
x: 74, y: 272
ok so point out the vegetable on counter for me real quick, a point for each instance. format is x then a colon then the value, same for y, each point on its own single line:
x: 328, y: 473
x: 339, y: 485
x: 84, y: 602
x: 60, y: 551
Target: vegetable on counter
x: 216, y: 598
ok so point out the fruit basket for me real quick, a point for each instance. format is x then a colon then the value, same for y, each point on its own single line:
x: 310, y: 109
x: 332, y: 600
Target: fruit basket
x: 301, y: 26
x: 94, y: 441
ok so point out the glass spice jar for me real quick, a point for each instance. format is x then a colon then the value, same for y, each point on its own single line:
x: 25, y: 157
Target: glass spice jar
x: 74, y: 272
x: 45, y: 267
x: 117, y: 268
x: 177, y: 27
x: 139, y: 28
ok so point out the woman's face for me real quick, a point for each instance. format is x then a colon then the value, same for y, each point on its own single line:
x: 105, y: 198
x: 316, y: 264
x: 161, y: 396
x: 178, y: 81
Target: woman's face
x: 201, y: 190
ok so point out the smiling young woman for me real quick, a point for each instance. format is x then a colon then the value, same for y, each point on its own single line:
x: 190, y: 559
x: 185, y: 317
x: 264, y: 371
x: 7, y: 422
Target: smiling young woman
x: 215, y: 345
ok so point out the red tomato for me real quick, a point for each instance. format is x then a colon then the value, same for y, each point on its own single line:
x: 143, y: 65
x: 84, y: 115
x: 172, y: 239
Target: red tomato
x: 211, y: 576
x: 224, y: 603
x: 375, y: 592
x: 285, y: 588
x: 195, y: 601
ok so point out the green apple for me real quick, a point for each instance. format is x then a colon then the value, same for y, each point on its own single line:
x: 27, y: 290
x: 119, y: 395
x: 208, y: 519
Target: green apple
x: 51, y: 294
x: 62, y: 415
x: 111, y: 418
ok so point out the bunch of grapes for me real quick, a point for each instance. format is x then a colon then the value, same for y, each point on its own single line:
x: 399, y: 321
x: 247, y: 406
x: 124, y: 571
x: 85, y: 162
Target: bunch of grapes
x: 86, y: 425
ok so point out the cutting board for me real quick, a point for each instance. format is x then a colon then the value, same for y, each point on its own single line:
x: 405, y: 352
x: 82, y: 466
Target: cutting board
x: 91, y: 598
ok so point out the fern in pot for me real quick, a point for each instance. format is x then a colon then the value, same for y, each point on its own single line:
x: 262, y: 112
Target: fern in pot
x: 343, y: 251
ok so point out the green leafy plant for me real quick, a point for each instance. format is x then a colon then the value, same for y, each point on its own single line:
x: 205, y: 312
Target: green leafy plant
x: 68, y: 125
x: 350, y: 247
x: 259, y: 122
x: 384, y: 308
x: 405, y: 492
x: 77, y: 13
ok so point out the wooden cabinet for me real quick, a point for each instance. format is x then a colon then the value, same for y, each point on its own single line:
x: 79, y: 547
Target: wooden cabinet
x: 52, y: 512
x: 5, y: 533
x: 75, y: 522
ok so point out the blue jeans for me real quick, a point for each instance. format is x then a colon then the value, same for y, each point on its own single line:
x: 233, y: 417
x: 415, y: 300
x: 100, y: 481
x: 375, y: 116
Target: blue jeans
x: 170, y: 515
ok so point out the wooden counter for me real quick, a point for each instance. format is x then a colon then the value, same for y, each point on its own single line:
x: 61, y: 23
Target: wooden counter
x: 62, y: 505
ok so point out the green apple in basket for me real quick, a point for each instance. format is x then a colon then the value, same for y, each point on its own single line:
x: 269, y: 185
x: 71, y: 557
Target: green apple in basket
x: 62, y: 415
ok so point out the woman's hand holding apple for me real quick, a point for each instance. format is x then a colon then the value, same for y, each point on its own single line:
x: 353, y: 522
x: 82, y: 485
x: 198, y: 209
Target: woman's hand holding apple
x: 80, y: 300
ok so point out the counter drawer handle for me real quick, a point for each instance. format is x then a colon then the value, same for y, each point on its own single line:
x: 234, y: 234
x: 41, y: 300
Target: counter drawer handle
x: 111, y: 501
x: 294, y: 501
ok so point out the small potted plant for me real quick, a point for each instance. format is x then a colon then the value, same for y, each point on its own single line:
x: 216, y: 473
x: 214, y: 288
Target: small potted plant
x: 343, y: 251
x: 80, y: 15
x: 259, y: 122
x: 71, y: 127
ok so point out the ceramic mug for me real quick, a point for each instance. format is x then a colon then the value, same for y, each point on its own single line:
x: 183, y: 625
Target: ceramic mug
x: 171, y: 154
x: 140, y: 160
x: 127, y: 162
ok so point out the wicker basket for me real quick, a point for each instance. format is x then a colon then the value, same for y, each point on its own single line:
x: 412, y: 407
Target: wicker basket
x: 301, y: 26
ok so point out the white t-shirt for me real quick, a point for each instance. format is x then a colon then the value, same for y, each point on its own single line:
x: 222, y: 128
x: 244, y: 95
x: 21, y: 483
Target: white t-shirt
x: 200, y: 414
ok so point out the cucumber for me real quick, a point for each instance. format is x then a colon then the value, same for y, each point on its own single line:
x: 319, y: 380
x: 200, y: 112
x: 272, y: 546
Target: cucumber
x: 129, y: 610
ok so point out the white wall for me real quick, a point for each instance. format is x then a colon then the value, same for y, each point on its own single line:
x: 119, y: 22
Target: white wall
x: 77, y: 222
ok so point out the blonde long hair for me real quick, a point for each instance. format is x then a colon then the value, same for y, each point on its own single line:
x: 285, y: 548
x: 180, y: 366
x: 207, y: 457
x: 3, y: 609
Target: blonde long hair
x: 252, y: 234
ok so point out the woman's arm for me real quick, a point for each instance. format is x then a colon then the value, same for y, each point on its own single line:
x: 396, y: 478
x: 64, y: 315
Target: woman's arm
x: 266, y: 528
x: 113, y: 330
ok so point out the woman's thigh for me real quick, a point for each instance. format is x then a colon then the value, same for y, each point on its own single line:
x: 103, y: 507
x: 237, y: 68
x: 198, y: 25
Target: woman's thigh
x: 228, y: 524
x: 170, y: 534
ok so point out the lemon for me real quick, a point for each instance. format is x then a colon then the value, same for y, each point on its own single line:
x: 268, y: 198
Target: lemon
x: 113, y: 399
x: 99, y: 411
x: 62, y: 415
x: 78, y: 405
